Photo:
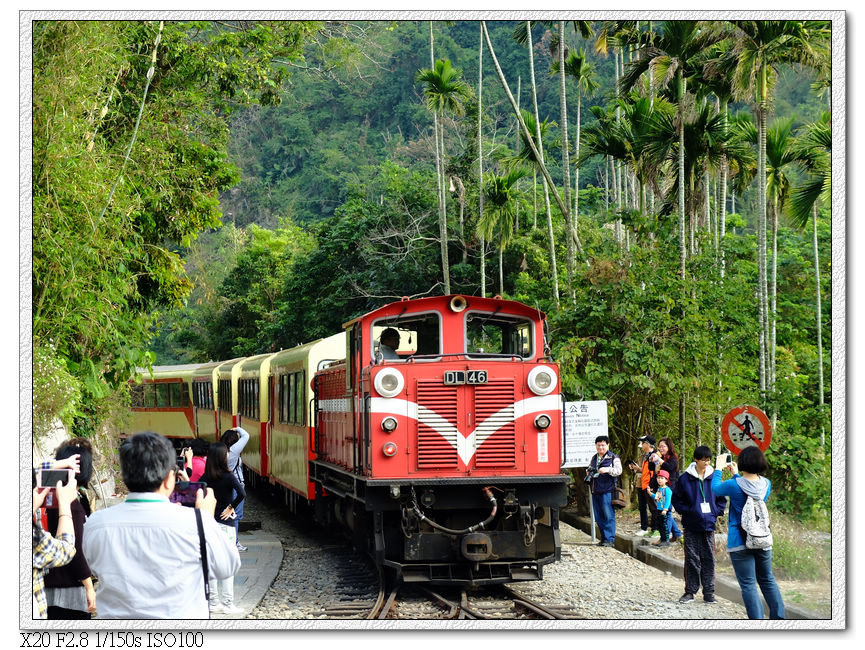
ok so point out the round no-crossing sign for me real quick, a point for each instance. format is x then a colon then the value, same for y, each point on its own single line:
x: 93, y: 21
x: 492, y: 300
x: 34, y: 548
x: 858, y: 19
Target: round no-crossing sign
x: 745, y: 426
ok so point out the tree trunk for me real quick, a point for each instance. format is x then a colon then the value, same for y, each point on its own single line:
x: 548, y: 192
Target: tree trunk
x: 481, y: 161
x: 517, y: 148
x: 707, y: 216
x: 577, y: 169
x: 540, y: 154
x: 819, y: 327
x: 443, y: 220
x: 501, y: 269
x: 722, y: 203
x: 440, y: 184
x: 620, y: 184
x: 607, y: 185
x: 773, y: 306
x: 566, y: 161
x: 761, y: 238
x: 682, y: 241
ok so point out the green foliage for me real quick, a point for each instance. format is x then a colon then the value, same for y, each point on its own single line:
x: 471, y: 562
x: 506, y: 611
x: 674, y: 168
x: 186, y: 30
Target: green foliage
x: 106, y: 232
x: 56, y: 392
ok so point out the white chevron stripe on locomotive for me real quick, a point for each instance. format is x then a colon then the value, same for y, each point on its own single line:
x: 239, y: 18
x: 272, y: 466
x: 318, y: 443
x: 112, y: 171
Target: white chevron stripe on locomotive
x: 466, y: 445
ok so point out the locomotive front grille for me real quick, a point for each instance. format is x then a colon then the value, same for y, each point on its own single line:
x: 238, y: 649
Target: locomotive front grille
x: 494, y: 411
x: 437, y: 434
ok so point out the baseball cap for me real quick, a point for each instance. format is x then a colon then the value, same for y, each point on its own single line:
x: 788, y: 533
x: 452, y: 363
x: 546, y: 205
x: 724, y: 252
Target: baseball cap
x: 649, y: 439
x: 665, y: 474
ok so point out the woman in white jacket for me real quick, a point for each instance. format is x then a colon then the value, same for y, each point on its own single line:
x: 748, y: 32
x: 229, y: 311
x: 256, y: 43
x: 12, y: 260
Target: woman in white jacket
x: 235, y: 439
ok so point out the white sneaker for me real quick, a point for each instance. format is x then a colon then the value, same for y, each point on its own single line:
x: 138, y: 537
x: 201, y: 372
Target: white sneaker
x: 232, y: 610
x: 216, y: 608
x: 641, y: 533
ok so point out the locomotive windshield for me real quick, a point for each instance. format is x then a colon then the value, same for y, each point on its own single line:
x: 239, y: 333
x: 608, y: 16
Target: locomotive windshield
x: 418, y: 334
x: 493, y: 334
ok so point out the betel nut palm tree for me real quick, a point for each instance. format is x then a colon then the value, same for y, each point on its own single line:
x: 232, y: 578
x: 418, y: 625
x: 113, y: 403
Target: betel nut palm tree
x: 444, y: 92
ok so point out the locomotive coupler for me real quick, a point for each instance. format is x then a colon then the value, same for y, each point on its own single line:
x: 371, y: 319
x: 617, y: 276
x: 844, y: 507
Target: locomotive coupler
x: 476, y: 547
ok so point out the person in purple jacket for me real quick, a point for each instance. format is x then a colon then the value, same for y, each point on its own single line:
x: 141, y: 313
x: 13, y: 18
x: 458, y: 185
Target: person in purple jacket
x: 752, y: 566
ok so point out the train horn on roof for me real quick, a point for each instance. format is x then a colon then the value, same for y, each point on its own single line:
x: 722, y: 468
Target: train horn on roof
x: 458, y: 303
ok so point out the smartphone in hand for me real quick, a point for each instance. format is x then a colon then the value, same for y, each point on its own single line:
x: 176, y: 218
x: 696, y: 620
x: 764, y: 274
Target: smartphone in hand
x: 185, y: 492
x: 46, y: 479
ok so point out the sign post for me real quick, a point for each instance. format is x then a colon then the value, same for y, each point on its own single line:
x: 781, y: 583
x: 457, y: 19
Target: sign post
x: 583, y: 422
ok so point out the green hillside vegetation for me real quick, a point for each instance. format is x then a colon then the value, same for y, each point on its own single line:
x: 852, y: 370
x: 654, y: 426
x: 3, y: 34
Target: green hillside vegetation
x: 287, y: 177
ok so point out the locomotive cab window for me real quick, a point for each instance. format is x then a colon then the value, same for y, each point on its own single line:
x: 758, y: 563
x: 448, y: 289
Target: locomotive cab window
x: 417, y: 335
x: 492, y: 334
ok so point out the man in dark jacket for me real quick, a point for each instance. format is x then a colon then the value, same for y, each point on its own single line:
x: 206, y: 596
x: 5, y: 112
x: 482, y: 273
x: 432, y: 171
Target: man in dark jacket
x: 603, y: 469
x: 699, y: 508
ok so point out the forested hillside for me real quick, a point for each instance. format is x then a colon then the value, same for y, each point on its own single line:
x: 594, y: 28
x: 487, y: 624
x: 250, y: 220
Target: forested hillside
x: 274, y: 180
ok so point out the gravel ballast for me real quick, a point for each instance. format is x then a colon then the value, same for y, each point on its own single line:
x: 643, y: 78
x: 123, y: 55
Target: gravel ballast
x: 599, y: 582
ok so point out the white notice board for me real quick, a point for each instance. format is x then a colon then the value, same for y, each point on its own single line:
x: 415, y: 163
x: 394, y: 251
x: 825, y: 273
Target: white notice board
x: 584, y: 421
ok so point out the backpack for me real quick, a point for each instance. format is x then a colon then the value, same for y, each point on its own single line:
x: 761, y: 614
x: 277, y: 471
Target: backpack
x: 755, y: 524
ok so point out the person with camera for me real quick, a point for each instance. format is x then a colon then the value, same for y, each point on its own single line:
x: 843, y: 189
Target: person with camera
x: 601, y: 475
x: 195, y: 456
x: 51, y: 551
x: 699, y: 508
x: 235, y: 439
x: 146, y: 551
x: 753, y: 566
x: 69, y: 589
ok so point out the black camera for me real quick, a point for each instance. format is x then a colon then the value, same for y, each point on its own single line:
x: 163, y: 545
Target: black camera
x: 591, y: 475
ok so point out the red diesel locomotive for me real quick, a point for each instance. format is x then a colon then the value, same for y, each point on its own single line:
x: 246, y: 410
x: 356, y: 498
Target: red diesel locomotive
x: 440, y: 452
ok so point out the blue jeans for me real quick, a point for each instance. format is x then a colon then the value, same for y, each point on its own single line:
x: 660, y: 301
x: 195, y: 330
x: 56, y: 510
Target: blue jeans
x: 239, y: 512
x: 754, y: 568
x: 604, y: 515
x: 672, y: 528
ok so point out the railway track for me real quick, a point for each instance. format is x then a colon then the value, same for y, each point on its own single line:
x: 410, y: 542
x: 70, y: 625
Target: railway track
x: 500, y: 603
x: 359, y: 599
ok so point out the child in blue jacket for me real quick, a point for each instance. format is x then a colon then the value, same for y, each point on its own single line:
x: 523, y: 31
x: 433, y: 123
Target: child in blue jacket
x: 663, y: 498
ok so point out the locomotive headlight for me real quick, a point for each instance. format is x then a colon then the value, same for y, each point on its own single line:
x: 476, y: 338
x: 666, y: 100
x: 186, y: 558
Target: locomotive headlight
x: 389, y: 382
x: 542, y: 380
x: 389, y: 449
x: 543, y: 421
x: 389, y: 424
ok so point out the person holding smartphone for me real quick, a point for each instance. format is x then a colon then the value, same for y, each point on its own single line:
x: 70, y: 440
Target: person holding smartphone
x: 69, y: 589
x: 51, y: 551
x: 753, y: 567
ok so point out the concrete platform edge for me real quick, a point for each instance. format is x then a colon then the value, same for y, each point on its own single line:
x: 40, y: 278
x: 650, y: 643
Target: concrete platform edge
x: 639, y: 548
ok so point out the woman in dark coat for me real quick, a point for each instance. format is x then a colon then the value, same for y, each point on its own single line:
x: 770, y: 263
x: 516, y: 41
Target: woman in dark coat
x: 225, y: 485
x: 69, y: 589
x: 670, y: 463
